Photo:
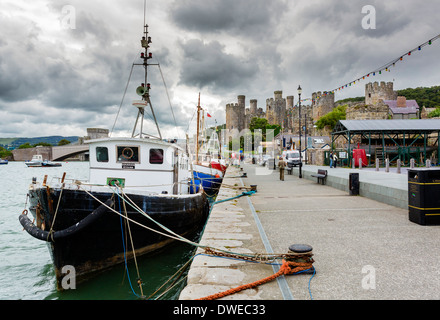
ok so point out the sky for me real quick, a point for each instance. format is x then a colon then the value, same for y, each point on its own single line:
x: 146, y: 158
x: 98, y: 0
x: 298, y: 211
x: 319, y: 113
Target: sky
x: 64, y: 66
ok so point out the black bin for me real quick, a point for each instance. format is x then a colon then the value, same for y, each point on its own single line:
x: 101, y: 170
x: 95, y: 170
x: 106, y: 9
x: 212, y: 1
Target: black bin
x: 354, y: 184
x: 424, y: 196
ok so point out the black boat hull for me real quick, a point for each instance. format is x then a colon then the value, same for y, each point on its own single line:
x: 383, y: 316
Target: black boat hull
x: 99, y: 243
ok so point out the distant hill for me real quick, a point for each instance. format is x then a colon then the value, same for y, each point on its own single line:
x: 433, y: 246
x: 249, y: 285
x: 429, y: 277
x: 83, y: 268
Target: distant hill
x: 13, y: 143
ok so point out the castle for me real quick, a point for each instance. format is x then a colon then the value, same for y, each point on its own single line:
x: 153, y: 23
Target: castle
x: 281, y: 111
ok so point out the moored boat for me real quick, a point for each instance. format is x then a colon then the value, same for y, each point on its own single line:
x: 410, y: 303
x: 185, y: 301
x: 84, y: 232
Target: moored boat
x: 3, y: 161
x: 37, y: 161
x: 205, y: 175
x: 138, y: 189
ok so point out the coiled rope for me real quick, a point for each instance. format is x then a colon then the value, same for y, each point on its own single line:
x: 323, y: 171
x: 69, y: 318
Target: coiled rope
x: 287, y: 268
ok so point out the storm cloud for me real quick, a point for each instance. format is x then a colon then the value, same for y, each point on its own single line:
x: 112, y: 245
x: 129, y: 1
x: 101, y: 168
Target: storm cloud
x: 56, y: 80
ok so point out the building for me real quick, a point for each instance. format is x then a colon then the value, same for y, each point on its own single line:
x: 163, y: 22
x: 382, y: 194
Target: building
x: 402, y: 108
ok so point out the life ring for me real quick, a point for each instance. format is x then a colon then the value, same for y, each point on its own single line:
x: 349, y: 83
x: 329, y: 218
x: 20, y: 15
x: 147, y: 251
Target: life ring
x: 127, y: 157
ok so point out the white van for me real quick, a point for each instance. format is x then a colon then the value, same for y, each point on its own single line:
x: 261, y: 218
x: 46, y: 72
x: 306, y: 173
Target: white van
x: 292, y: 158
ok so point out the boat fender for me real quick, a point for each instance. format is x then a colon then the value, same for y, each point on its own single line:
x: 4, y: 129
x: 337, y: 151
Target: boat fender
x: 54, y: 235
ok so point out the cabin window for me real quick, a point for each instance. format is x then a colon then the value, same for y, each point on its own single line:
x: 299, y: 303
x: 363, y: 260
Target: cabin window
x: 127, y: 154
x: 101, y: 154
x: 156, y: 156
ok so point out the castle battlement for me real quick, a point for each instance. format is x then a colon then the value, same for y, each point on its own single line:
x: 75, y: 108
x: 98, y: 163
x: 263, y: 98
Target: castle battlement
x: 374, y: 92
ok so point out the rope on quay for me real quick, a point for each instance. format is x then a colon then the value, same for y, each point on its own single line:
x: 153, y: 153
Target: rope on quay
x: 287, y: 268
x: 246, y: 193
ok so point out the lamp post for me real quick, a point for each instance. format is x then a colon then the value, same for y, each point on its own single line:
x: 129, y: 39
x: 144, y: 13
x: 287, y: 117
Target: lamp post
x: 299, y: 119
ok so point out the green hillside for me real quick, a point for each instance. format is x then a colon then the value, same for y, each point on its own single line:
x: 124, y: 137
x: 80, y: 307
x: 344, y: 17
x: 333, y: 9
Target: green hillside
x: 13, y: 143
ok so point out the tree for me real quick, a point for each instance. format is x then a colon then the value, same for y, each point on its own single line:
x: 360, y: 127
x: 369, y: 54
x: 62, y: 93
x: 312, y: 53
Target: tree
x: 332, y: 118
x: 4, y: 153
x: 26, y: 145
x: 63, y: 142
x: 263, y: 125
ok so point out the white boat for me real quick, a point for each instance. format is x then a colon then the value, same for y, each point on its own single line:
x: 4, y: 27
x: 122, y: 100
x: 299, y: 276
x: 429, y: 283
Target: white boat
x: 139, y: 183
x: 37, y: 161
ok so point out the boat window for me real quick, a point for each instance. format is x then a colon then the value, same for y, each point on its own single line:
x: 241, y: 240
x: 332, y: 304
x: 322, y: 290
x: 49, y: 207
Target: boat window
x: 101, y: 154
x: 127, y: 154
x: 156, y: 156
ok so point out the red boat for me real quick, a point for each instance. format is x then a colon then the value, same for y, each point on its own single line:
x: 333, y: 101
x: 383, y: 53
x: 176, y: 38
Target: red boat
x: 217, y: 165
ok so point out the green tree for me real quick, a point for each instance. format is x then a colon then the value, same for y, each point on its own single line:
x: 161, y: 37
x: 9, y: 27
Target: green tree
x: 26, y: 145
x: 4, y: 153
x: 63, y: 142
x: 332, y: 118
x: 42, y: 144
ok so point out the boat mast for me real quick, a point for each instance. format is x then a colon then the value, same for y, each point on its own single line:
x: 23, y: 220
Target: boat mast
x: 144, y: 89
x: 198, y: 128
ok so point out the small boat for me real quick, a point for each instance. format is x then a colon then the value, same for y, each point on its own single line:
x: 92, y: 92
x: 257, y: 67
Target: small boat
x: 219, y: 165
x: 37, y: 161
x: 206, y: 175
x: 138, y: 186
x: 3, y: 161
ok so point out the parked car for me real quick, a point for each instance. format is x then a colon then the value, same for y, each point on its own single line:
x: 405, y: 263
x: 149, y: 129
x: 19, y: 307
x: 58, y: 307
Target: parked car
x: 293, y: 159
x: 264, y: 160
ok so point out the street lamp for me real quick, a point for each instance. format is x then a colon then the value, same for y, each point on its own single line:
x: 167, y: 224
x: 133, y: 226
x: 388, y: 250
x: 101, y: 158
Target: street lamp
x: 300, y: 147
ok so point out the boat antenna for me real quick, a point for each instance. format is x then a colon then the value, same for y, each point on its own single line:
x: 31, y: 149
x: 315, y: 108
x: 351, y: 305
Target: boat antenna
x: 144, y: 89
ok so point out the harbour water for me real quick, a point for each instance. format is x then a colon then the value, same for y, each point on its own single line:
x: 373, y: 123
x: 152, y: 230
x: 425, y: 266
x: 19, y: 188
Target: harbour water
x: 26, y: 271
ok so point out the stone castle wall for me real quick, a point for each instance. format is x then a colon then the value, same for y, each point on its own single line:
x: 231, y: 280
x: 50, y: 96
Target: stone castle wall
x: 360, y: 111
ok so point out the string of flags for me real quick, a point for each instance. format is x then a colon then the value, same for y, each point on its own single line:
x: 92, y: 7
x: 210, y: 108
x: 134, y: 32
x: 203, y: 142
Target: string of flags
x: 386, y: 67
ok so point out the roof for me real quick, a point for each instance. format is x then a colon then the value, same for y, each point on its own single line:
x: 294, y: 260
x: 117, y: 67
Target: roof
x: 417, y: 125
x: 411, y: 106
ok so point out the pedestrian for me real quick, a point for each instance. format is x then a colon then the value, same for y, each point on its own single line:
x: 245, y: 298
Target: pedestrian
x: 335, y: 160
x: 331, y: 159
x: 282, y: 166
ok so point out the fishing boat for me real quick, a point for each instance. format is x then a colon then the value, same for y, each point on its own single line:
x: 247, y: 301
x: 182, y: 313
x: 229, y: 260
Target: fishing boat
x: 3, y: 161
x: 205, y: 174
x: 37, y: 161
x: 137, y: 201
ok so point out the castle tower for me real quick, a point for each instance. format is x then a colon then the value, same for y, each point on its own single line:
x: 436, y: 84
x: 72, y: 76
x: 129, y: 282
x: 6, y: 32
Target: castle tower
x: 375, y: 92
x: 236, y: 115
x: 290, y: 101
x: 322, y: 103
x: 253, y: 107
x: 276, y: 109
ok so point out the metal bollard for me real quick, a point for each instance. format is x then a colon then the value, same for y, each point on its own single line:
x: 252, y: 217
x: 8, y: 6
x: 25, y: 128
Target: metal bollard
x: 301, y: 253
x: 377, y: 164
x: 398, y: 166
x: 412, y: 163
x: 387, y: 165
x: 428, y: 163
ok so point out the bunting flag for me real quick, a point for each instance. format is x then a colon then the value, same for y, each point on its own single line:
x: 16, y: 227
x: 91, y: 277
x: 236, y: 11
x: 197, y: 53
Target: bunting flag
x: 209, y: 116
x: 387, y: 67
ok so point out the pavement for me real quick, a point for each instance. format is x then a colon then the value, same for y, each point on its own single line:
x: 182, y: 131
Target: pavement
x: 364, y: 248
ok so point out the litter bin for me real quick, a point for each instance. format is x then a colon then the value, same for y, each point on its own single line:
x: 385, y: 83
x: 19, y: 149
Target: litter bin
x: 424, y: 196
x: 354, y: 184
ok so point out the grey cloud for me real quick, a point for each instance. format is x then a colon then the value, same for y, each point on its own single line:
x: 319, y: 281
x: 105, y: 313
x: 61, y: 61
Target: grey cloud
x: 208, y: 65
x: 244, y: 17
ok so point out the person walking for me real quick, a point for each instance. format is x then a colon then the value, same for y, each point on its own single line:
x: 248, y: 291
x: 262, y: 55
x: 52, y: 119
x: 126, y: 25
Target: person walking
x: 335, y: 160
x: 331, y: 159
x: 282, y: 166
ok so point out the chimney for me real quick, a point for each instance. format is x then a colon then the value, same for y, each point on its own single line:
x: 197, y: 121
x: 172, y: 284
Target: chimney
x: 401, y: 102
